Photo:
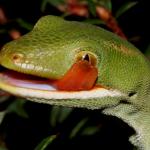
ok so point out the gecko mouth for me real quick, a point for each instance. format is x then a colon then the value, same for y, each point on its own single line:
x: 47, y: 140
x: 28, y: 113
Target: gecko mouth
x: 35, y: 87
x: 78, y: 83
x: 17, y: 79
x: 81, y: 76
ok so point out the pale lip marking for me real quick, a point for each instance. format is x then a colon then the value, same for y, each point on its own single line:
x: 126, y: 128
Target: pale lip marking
x: 40, y: 89
x: 25, y: 81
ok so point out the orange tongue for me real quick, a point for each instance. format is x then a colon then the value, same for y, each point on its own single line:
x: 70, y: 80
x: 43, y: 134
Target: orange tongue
x: 81, y: 76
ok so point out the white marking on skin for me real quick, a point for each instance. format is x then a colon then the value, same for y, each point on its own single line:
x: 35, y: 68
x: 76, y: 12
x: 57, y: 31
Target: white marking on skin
x: 38, y: 68
x: 24, y: 65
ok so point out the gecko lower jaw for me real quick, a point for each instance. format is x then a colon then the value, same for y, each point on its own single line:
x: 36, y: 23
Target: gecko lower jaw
x: 30, y: 86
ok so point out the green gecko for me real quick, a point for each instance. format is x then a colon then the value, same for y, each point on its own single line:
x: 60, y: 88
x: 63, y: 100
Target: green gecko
x: 80, y: 65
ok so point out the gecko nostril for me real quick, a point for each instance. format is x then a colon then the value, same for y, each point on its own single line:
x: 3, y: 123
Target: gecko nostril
x: 17, y: 58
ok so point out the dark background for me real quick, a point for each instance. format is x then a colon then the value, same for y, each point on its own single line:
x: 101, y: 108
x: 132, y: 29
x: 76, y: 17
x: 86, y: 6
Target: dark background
x: 135, y: 22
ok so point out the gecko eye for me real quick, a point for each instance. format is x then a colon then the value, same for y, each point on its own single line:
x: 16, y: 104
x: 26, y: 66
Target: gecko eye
x: 87, y: 56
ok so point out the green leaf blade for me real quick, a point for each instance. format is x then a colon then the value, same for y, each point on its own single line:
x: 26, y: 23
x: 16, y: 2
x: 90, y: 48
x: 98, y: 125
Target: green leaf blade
x: 24, y: 24
x: 59, y: 114
x: 90, y: 130
x: 125, y: 8
x: 45, y: 142
x: 92, y: 7
x: 77, y: 128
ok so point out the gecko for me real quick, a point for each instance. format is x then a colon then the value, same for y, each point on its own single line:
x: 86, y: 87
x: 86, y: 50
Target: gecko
x: 74, y: 64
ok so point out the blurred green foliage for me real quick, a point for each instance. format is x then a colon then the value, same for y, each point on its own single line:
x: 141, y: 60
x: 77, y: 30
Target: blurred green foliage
x: 124, y: 8
x: 45, y: 142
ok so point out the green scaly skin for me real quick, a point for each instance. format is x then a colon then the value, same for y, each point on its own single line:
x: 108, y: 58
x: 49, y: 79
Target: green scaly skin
x: 49, y: 51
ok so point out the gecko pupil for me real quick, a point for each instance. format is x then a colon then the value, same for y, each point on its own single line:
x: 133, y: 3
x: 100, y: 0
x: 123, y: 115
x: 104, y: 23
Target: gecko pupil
x: 86, y: 57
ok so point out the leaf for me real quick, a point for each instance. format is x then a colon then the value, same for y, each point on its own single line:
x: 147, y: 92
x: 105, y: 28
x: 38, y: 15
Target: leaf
x: 59, y: 114
x: 2, y: 114
x: 125, y: 8
x: 109, y: 5
x: 45, y: 142
x: 43, y: 5
x: 92, y: 7
x: 77, y: 128
x: 24, y: 24
x: 94, y: 21
x: 105, y: 3
x: 90, y: 130
x: 18, y: 107
x: 54, y: 3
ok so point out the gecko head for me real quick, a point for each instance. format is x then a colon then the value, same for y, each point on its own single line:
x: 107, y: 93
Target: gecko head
x: 72, y: 64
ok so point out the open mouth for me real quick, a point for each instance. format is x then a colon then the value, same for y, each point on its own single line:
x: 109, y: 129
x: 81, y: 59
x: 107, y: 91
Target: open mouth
x: 25, y: 81
x: 78, y: 83
x: 81, y: 76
